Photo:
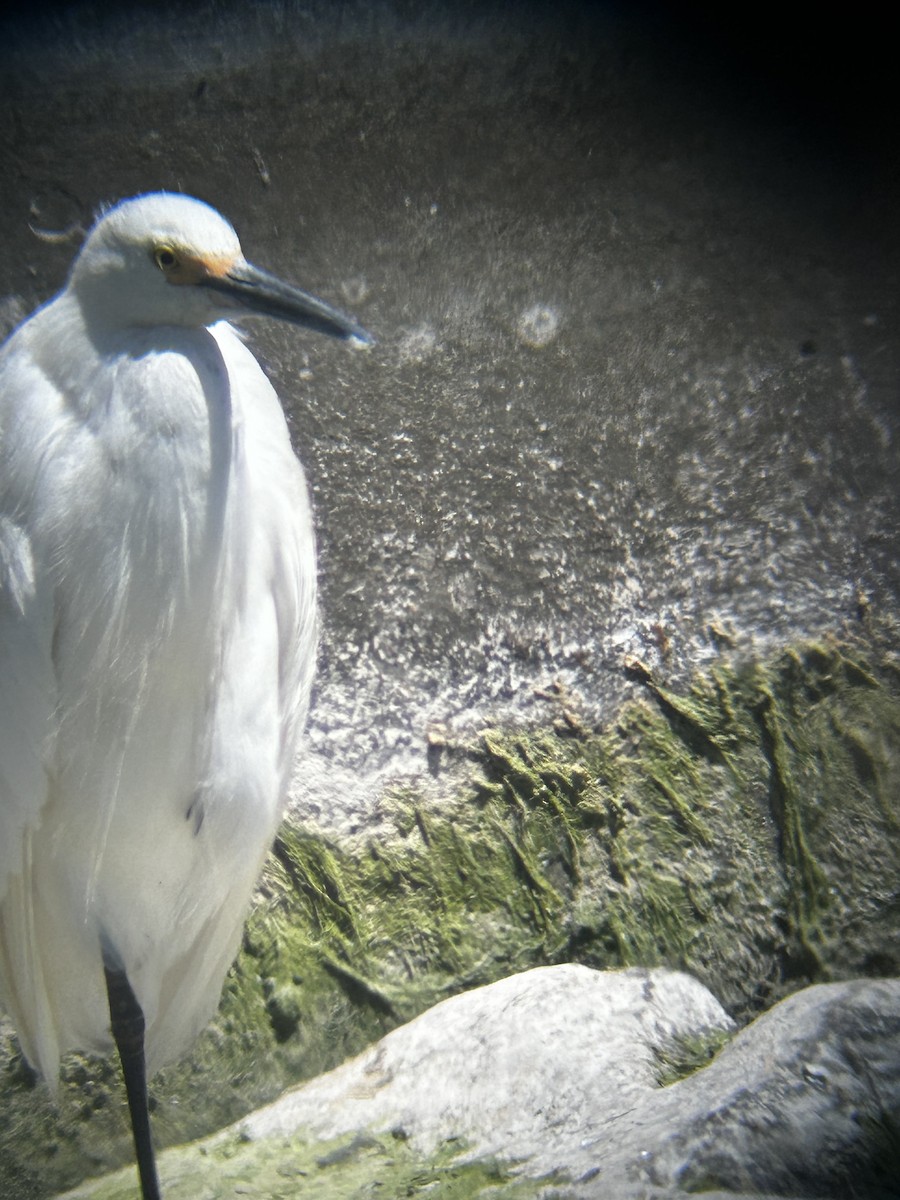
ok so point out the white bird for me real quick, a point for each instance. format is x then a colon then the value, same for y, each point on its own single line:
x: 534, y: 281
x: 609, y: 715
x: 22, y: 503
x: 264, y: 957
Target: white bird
x: 157, y: 637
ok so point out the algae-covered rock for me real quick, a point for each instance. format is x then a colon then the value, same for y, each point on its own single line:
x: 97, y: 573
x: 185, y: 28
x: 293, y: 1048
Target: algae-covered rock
x: 521, y: 1070
x: 561, y: 1073
x: 743, y: 828
x: 556, y: 1075
x: 291, y: 1167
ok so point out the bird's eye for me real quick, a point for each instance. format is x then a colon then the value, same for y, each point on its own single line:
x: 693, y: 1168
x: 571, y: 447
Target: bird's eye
x: 165, y: 258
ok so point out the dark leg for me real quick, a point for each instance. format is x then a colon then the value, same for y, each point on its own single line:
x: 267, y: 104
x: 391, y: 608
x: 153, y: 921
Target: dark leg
x: 127, y: 1022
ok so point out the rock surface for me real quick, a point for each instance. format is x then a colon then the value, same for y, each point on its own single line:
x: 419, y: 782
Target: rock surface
x: 559, y: 1067
x: 560, y: 1073
x: 524, y: 1068
x: 804, y: 1102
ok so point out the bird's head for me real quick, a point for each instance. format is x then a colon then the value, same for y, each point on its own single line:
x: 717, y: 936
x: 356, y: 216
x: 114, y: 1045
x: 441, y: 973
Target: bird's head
x: 167, y: 259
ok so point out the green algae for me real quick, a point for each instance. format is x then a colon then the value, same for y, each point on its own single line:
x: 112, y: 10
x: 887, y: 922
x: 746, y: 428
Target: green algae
x: 290, y: 1168
x: 686, y: 1055
x: 744, y: 828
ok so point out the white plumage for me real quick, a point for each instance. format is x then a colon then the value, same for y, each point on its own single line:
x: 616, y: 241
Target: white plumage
x: 157, y: 627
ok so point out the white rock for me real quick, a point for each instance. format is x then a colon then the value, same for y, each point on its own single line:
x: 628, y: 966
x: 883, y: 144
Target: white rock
x: 556, y: 1070
x: 525, y: 1068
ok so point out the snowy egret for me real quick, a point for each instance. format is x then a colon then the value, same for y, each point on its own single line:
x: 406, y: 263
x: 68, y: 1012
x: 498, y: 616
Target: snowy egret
x: 157, y: 637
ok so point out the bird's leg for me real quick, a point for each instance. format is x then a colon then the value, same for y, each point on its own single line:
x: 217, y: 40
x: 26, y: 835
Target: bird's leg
x: 127, y: 1023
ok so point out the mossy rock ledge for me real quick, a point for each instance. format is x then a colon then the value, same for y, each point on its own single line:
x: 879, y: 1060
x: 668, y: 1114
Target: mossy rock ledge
x: 744, y: 828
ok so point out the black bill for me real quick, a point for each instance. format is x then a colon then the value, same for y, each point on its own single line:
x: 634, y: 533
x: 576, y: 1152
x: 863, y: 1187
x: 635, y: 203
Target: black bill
x: 257, y: 291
